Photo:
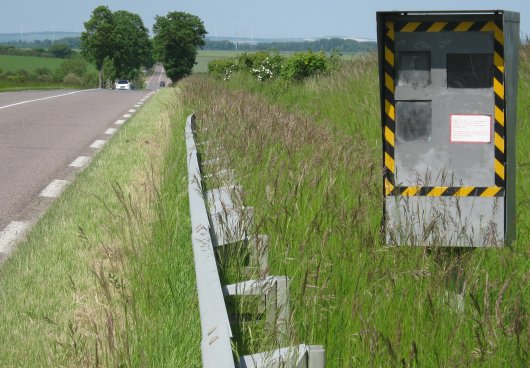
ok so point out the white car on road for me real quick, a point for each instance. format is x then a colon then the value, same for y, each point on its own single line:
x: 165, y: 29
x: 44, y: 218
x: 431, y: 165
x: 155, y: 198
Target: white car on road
x: 123, y: 84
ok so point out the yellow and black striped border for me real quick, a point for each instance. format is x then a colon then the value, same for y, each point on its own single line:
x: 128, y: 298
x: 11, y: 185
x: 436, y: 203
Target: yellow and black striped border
x: 389, y: 127
x: 448, y: 191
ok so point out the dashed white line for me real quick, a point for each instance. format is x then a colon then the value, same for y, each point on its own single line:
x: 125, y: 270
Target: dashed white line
x: 80, y: 161
x: 44, y: 98
x: 54, y: 189
x: 98, y: 143
x: 137, y: 105
x: 111, y: 131
x: 11, y: 234
x: 132, y: 110
x: 119, y: 122
x: 127, y: 115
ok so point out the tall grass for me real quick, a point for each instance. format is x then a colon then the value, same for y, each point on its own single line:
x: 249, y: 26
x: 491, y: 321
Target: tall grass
x: 308, y: 158
x: 350, y: 91
x: 163, y: 275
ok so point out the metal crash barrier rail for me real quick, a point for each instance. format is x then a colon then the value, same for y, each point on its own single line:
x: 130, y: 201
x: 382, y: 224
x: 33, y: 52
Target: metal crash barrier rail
x: 217, y: 220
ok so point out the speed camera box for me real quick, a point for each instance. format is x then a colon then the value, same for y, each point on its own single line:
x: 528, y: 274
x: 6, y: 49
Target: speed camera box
x: 448, y: 87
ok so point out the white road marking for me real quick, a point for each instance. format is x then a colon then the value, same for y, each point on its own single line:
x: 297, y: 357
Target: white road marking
x: 132, y: 110
x: 80, y: 161
x: 54, y: 189
x: 111, y: 131
x: 127, y: 115
x: 45, y: 98
x: 137, y: 105
x: 11, y: 235
x: 119, y: 122
x: 98, y: 143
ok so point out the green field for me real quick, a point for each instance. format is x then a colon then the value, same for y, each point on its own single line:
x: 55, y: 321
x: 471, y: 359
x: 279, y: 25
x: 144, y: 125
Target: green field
x: 29, y: 63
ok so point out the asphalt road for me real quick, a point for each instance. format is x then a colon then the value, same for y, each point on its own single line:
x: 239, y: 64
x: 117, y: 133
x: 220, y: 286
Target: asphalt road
x: 41, y: 134
x: 158, y: 75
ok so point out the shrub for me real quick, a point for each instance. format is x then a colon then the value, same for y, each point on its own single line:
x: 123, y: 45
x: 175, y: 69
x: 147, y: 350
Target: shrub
x: 222, y: 68
x: 75, y: 66
x: 61, y: 50
x: 13, y: 78
x: 73, y: 79
x: 250, y: 61
x: 303, y: 65
x: 268, y: 67
x: 43, y: 74
x: 42, y: 71
x: 22, y: 75
x: 137, y: 79
x: 265, y: 65
x: 262, y: 65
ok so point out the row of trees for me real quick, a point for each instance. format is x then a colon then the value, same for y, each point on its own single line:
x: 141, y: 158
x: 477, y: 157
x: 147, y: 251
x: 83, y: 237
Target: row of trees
x: 324, y: 44
x: 118, y: 43
x: 58, y: 50
x: 72, y: 42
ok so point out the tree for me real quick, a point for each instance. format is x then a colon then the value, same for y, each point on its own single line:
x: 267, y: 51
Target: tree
x: 98, y: 41
x: 119, y: 38
x: 60, y: 50
x: 177, y: 36
x: 133, y: 47
x: 109, y: 72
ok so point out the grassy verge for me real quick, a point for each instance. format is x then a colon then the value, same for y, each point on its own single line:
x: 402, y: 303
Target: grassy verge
x: 311, y: 168
x: 106, y: 278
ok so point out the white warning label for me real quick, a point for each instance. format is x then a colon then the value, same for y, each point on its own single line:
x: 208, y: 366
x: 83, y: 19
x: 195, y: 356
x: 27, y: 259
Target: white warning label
x: 470, y: 129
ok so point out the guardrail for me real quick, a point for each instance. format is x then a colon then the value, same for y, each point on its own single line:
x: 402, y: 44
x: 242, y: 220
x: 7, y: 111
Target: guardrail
x: 219, y: 221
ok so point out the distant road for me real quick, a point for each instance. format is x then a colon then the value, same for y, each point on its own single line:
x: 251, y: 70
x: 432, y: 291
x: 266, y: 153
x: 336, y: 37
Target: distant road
x: 159, y: 75
x: 46, y: 136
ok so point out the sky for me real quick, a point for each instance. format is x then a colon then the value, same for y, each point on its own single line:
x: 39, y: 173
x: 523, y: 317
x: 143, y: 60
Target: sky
x: 243, y: 18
